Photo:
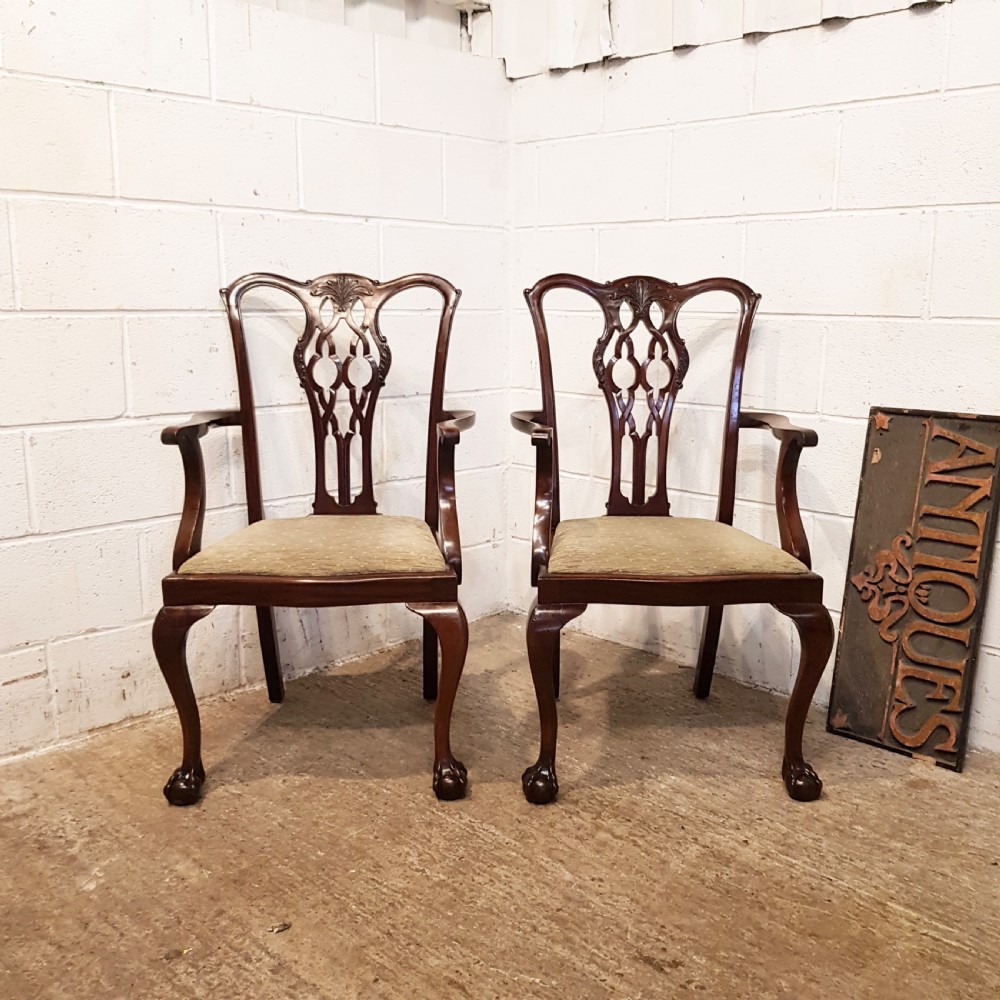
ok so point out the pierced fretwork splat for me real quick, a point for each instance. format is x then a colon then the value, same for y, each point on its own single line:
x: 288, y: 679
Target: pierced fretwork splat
x: 649, y: 375
x: 342, y: 358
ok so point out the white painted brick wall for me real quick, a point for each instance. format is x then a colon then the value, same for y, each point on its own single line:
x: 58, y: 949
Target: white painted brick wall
x: 441, y: 91
x: 614, y: 178
x: 963, y: 275
x: 91, y: 388
x: 906, y: 154
x: 6, y: 266
x: 55, y: 138
x: 15, y: 517
x: 848, y: 172
x: 332, y: 72
x: 476, y: 182
x: 150, y: 155
x: 859, y: 60
x: 970, y: 61
x: 711, y: 81
x: 299, y: 244
x: 150, y: 46
x: 836, y: 263
x: 105, y: 255
x: 754, y: 166
x: 173, y: 150
x: 349, y: 168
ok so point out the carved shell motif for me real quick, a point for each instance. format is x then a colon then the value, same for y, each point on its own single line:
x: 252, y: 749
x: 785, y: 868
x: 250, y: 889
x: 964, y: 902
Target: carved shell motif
x: 343, y: 290
x: 364, y: 366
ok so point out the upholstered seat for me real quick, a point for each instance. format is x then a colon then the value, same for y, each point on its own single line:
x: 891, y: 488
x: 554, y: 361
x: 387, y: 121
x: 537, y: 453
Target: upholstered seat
x: 643, y: 547
x: 322, y: 546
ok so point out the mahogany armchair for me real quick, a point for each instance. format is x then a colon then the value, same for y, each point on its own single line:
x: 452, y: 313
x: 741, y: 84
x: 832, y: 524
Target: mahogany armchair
x: 345, y: 553
x: 638, y: 553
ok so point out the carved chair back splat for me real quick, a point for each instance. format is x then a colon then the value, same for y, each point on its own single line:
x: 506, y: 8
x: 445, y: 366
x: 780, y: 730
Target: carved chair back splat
x: 336, y: 370
x: 640, y: 358
x: 640, y: 355
x: 342, y: 360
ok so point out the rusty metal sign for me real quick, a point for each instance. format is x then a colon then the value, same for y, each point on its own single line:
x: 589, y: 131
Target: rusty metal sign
x: 914, y: 600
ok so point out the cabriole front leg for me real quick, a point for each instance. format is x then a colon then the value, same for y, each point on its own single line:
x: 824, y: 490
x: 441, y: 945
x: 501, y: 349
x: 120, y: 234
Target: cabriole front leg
x: 170, y: 630
x: 815, y: 628
x: 539, y: 781
x: 451, y: 780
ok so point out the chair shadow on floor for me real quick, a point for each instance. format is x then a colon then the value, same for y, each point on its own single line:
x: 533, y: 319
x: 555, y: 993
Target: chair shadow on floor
x: 633, y: 717
x: 625, y: 714
x: 352, y: 723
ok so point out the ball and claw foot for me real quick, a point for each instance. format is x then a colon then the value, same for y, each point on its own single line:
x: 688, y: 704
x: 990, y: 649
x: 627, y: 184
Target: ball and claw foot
x: 451, y: 780
x: 184, y: 787
x: 540, y: 784
x: 801, y: 781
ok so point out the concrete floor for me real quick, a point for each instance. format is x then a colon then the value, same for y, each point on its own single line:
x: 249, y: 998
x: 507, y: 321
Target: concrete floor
x: 672, y: 866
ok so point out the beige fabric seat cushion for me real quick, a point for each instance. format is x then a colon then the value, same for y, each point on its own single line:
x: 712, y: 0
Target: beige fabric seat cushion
x: 662, y: 547
x: 327, y: 545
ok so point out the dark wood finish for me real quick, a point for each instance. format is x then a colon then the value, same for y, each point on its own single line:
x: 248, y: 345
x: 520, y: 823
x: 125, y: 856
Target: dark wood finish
x: 430, y: 650
x: 448, y: 622
x: 812, y: 622
x: 705, y: 667
x: 917, y: 583
x: 269, y: 655
x: 328, y: 377
x: 170, y: 629
x: 626, y: 373
x: 544, y: 625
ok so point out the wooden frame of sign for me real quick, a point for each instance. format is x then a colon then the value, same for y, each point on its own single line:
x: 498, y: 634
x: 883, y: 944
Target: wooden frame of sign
x: 923, y: 541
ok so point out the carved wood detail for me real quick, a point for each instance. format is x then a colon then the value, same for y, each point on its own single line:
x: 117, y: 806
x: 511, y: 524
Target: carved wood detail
x: 632, y: 308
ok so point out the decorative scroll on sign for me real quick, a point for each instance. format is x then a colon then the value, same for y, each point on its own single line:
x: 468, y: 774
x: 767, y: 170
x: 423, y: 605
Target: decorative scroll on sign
x: 914, y: 600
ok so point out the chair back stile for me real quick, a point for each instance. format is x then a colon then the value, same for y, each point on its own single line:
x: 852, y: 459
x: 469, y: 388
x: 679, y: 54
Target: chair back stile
x: 652, y: 372
x: 341, y: 381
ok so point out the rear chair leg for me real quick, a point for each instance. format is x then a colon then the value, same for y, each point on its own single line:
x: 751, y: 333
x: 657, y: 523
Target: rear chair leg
x: 556, y: 665
x: 169, y: 641
x: 448, y: 623
x: 539, y: 781
x: 706, y: 657
x: 815, y: 628
x: 269, y: 653
x: 430, y: 662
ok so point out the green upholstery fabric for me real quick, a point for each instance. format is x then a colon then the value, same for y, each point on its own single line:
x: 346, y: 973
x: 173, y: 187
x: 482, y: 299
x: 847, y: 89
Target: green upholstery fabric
x: 662, y: 547
x: 328, y: 545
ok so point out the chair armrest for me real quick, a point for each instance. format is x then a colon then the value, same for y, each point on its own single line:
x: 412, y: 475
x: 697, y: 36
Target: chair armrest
x: 449, y: 431
x: 780, y: 427
x: 200, y: 424
x: 786, y: 497
x: 187, y: 437
x: 456, y: 421
x: 529, y: 422
x: 543, y: 439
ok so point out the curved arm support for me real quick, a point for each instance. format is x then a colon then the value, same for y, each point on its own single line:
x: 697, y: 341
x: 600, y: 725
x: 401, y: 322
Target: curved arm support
x: 457, y: 420
x: 187, y: 436
x: 449, y: 432
x: 780, y: 426
x: 543, y: 438
x: 786, y: 497
x: 529, y: 422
